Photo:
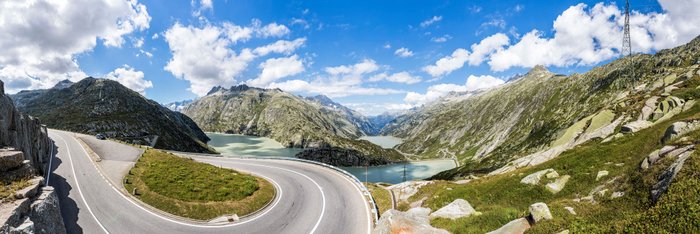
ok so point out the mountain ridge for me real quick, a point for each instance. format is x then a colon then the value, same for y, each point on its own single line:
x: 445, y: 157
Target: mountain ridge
x: 104, y: 106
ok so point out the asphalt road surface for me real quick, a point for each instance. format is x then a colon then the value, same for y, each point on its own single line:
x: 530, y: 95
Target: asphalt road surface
x: 310, y: 198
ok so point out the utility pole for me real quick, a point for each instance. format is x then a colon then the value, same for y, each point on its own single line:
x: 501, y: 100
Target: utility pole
x: 627, y: 47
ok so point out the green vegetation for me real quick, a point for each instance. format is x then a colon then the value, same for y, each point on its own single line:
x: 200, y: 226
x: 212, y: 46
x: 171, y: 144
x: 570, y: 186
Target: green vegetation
x: 503, y: 198
x: 184, y: 187
x: 7, y: 190
x: 381, y: 196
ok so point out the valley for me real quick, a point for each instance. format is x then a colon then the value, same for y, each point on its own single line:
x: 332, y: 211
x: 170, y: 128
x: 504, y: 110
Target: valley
x: 250, y: 146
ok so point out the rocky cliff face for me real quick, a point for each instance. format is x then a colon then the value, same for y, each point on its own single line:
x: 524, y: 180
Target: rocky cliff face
x: 23, y: 132
x: 289, y: 119
x: 104, y: 106
x: 541, y: 114
x: 25, y: 150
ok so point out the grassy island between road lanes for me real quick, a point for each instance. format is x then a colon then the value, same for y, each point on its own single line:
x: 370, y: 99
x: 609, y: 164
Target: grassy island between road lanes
x: 195, y: 190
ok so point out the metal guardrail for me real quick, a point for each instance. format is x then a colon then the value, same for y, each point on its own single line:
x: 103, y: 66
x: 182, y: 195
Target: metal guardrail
x: 357, y: 181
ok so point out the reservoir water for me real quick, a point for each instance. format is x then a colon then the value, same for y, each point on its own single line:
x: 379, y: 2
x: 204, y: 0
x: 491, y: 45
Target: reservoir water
x: 386, y: 142
x: 241, y: 145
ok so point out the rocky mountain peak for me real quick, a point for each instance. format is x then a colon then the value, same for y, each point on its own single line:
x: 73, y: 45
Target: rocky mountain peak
x: 63, y: 84
x: 539, y: 70
x: 324, y: 100
x: 215, y: 89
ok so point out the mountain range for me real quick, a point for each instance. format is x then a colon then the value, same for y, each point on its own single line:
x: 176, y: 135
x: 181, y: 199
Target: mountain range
x: 541, y: 114
x: 311, y: 122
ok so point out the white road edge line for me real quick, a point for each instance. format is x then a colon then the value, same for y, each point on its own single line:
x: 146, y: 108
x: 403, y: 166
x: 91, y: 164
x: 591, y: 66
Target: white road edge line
x: 228, y: 225
x: 367, y: 208
x: 75, y: 178
x: 323, y: 195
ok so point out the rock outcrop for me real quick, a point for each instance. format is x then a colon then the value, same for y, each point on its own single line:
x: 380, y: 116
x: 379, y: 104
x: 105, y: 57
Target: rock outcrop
x: 678, y: 129
x: 457, y: 209
x: 667, y: 176
x: 25, y: 150
x: 24, y: 133
x: 412, y: 221
x: 341, y: 157
x: 39, y: 214
x: 666, y: 151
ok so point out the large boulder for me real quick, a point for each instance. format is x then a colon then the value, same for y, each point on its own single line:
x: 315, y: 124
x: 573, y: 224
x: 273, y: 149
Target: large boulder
x: 635, y: 126
x: 10, y: 159
x: 539, y: 212
x: 678, y: 129
x: 457, y: 209
x: 412, y: 221
x: 46, y: 213
x: 558, y: 184
x: 534, y: 178
x: 405, y: 190
x: 517, y: 226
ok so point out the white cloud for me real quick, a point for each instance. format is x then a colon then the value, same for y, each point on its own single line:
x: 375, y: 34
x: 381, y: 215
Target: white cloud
x: 486, y: 47
x: 495, y: 22
x: 448, y: 64
x: 203, y: 57
x: 270, y: 30
x: 281, y: 46
x: 430, y: 21
x: 460, y: 56
x: 155, y: 36
x: 130, y: 78
x: 138, y: 42
x: 434, y: 92
x: 340, y: 81
x: 364, y: 67
x: 401, y: 77
x: 207, y: 4
x: 42, y: 37
x: 403, y: 52
x: 301, y: 22
x: 482, y: 82
x: 518, y: 8
x: 441, y: 39
x: 276, y: 68
x: 236, y: 33
x: 387, y: 46
x: 586, y: 36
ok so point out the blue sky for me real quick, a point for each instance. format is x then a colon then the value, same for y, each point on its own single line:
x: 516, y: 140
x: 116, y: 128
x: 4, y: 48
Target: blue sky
x: 373, y: 56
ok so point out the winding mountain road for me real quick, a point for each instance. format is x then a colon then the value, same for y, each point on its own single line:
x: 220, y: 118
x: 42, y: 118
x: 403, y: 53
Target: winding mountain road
x: 310, y: 198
